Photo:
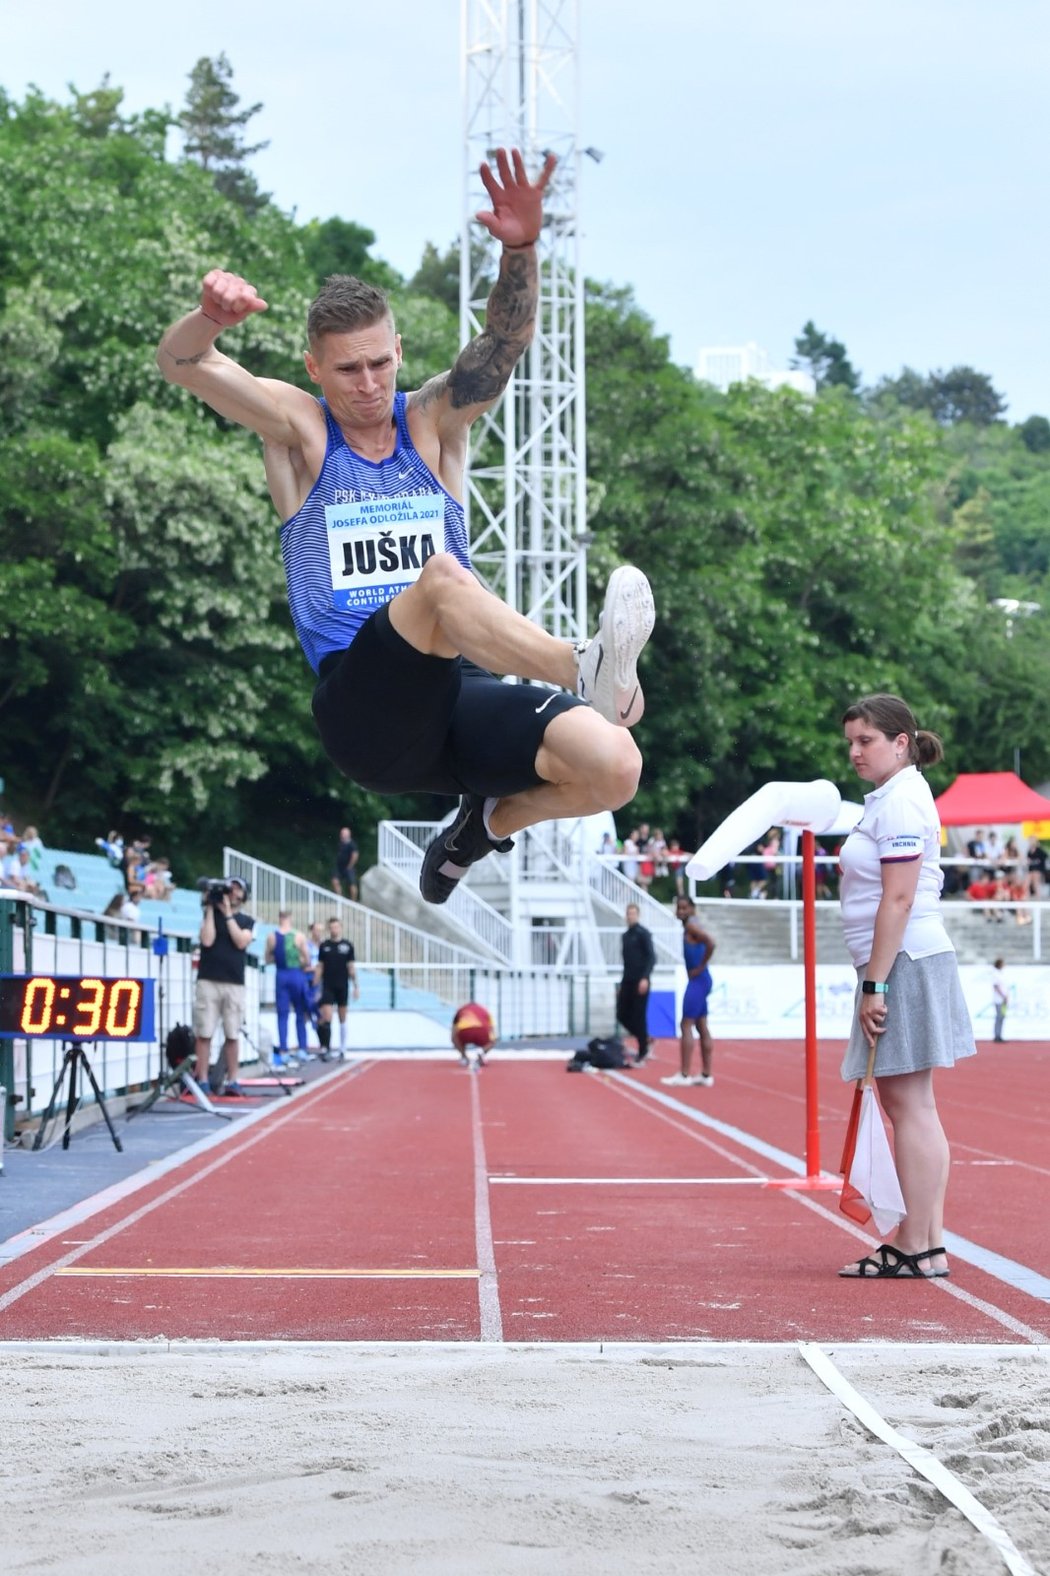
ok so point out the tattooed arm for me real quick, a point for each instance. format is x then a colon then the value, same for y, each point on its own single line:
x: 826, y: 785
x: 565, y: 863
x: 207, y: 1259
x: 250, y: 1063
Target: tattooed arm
x: 440, y: 413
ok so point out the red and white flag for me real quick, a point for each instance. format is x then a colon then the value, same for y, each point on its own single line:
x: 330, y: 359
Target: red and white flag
x: 870, y: 1190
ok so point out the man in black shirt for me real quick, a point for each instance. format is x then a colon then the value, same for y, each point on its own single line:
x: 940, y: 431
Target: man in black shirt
x: 335, y: 972
x: 345, y: 873
x: 632, y: 998
x: 225, y: 936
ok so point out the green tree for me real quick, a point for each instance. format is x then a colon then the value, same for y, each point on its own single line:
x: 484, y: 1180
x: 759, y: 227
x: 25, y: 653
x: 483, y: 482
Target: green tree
x: 212, y: 126
x: 1035, y: 434
x: 338, y: 246
x: 960, y: 394
x: 825, y: 359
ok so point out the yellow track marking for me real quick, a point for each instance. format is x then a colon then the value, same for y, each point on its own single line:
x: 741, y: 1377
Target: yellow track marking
x: 233, y: 1272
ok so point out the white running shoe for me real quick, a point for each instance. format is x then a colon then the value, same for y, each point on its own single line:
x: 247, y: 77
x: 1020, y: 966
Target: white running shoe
x: 679, y: 1080
x: 703, y: 1081
x: 608, y: 674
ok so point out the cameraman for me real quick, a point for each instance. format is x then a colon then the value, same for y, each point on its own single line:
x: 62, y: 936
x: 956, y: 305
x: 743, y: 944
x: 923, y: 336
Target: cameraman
x: 225, y: 936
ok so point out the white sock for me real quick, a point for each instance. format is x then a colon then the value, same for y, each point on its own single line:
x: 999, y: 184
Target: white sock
x: 342, y: 1035
x: 487, y: 809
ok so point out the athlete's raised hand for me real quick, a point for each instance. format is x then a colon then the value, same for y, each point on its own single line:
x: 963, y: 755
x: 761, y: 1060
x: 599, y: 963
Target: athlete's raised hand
x: 517, y: 203
x: 228, y: 299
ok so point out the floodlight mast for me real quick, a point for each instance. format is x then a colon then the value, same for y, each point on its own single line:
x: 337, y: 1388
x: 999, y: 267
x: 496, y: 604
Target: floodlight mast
x: 526, y: 496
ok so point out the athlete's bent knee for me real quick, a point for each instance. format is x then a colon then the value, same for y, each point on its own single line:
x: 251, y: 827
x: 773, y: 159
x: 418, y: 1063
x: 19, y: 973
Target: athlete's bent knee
x: 442, y: 576
x: 620, y: 770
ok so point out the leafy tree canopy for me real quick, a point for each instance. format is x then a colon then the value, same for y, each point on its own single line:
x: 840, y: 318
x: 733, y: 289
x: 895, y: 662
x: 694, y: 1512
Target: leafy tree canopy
x: 825, y: 359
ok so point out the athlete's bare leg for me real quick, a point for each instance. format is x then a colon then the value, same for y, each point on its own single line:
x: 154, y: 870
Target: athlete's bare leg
x: 448, y: 613
x: 587, y: 765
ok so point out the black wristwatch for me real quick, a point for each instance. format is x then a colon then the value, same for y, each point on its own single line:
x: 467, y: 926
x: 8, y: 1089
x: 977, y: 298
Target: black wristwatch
x: 874, y: 987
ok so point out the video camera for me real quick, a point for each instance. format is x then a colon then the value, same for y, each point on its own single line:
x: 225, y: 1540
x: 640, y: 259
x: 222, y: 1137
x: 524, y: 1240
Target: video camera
x: 214, y: 888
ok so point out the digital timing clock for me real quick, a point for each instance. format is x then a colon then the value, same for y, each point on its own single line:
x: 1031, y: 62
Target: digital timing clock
x: 75, y: 1007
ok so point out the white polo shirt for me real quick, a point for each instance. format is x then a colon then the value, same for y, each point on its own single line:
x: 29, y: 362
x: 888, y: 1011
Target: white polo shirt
x: 900, y: 822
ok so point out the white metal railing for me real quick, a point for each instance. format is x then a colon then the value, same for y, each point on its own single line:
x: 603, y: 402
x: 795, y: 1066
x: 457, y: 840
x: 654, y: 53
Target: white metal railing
x: 615, y: 889
x: 401, y: 848
x: 524, y: 1002
x: 376, y: 938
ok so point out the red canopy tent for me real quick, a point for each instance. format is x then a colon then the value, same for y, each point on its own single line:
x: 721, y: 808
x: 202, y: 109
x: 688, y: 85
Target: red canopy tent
x: 991, y: 799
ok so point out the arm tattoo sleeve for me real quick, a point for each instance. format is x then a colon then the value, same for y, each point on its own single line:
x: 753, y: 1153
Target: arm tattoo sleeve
x: 483, y: 367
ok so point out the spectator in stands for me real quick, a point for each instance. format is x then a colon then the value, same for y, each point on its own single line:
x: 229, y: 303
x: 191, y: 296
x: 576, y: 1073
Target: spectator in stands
x: 113, y: 848
x: 345, y: 872
x: 136, y: 862
x: 1036, y: 858
x: 287, y: 951
x: 10, y: 865
x: 29, y: 881
x: 158, y: 881
x: 764, y: 876
x: 975, y: 847
x: 677, y: 859
x: 607, y: 848
x: 225, y: 936
x: 629, y: 862
x: 646, y: 862
x: 989, y: 891
x: 34, y: 846
x: 114, y: 910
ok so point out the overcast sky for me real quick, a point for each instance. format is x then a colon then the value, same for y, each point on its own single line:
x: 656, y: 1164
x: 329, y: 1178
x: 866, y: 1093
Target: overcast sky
x: 879, y: 167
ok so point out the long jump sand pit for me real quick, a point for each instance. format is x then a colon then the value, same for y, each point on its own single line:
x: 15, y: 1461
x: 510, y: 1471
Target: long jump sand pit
x: 737, y: 1459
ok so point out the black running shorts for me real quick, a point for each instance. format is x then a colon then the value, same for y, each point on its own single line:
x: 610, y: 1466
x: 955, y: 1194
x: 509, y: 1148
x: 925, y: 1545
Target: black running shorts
x: 397, y: 721
x: 336, y: 994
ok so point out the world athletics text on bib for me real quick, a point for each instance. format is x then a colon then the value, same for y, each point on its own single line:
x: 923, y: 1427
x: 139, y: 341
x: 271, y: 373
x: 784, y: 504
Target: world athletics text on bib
x: 378, y: 546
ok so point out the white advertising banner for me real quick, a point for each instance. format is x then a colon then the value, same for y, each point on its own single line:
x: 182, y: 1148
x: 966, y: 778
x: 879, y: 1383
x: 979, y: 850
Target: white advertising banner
x: 769, y: 1002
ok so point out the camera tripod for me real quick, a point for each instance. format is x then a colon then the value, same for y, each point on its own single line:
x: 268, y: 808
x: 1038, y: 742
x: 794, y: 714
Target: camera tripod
x: 75, y: 1056
x: 181, y: 1074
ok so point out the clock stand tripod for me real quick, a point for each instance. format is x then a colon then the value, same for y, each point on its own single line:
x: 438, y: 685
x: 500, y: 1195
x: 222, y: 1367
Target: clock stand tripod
x: 75, y: 1057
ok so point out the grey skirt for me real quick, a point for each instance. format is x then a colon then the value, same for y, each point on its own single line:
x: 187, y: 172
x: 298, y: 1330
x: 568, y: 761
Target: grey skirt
x: 927, y: 1024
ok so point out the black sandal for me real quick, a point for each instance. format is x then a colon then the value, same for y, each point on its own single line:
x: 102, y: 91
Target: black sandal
x: 931, y: 1253
x: 886, y: 1262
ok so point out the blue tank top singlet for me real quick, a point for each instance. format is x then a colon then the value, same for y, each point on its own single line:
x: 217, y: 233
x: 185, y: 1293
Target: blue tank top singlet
x: 363, y: 535
x: 285, y: 951
x: 695, y: 953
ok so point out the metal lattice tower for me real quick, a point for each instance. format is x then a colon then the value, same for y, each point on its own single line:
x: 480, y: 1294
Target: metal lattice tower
x: 526, y: 481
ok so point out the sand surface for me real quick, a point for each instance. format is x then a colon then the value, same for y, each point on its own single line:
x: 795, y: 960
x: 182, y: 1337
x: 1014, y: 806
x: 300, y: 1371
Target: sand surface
x: 486, y: 1460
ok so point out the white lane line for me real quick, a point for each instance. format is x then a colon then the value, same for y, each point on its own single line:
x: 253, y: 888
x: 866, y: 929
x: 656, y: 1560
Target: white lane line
x: 919, y: 1459
x: 488, y: 1281
x: 627, y: 1181
x: 1009, y: 1271
x: 278, y: 1115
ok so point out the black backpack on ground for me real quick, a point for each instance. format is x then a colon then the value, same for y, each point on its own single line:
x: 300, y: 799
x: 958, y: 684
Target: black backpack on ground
x: 599, y: 1053
x: 180, y: 1045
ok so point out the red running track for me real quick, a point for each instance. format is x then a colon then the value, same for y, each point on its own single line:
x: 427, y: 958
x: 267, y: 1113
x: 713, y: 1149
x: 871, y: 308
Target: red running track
x: 411, y: 1200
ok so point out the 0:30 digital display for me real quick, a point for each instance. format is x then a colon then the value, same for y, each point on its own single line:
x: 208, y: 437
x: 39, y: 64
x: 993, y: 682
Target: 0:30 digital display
x: 78, y: 1007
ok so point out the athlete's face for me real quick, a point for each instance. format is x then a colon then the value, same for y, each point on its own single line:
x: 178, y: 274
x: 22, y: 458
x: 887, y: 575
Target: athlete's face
x: 357, y: 373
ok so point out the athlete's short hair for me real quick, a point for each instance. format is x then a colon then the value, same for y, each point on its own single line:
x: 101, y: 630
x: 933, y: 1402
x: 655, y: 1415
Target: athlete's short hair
x: 344, y: 303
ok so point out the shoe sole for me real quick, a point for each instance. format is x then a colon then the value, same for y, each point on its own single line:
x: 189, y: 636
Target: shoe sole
x: 627, y: 622
x: 435, y: 884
